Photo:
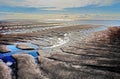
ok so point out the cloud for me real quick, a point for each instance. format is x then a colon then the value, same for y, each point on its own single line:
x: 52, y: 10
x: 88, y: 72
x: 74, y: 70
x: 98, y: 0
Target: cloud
x: 56, y: 4
x: 52, y: 8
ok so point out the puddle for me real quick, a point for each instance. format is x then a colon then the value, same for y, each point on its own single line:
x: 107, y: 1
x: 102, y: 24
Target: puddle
x: 9, y: 60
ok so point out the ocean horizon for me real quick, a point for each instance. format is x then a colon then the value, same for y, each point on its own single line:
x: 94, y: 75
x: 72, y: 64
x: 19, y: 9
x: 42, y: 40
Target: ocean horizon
x: 96, y: 22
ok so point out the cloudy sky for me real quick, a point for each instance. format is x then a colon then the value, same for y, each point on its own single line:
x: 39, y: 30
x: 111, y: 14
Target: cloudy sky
x: 82, y: 9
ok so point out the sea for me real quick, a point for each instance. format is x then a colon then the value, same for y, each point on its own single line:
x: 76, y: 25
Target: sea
x: 108, y: 23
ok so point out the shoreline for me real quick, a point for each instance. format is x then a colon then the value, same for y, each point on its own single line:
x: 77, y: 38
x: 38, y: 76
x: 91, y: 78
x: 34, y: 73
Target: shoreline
x: 87, y: 50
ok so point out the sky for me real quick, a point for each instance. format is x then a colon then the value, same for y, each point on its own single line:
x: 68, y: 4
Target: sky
x: 60, y: 9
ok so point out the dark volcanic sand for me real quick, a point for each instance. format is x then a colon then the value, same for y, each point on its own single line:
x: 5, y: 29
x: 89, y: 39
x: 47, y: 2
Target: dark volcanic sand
x: 94, y: 57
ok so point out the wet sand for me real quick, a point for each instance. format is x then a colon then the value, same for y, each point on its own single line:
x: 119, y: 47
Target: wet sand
x: 88, y: 54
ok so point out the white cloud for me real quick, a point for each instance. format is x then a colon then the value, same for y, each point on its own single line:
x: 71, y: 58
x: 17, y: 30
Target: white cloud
x: 56, y: 4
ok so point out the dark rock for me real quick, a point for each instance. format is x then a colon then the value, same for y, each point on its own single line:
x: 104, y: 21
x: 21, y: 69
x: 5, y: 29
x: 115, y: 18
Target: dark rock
x: 114, y: 34
x: 4, y: 49
x: 110, y: 35
x: 5, y: 71
x: 1, y: 34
